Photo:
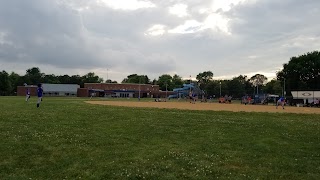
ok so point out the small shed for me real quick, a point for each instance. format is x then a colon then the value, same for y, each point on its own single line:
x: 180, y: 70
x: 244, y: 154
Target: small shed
x: 306, y: 96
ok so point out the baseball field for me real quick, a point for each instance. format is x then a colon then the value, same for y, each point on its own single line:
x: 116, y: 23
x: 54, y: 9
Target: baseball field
x: 79, y: 138
x: 232, y: 107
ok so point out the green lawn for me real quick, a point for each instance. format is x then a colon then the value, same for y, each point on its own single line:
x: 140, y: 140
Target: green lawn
x: 68, y: 139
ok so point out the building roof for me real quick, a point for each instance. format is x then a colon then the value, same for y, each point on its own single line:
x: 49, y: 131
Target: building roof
x: 124, y: 84
x: 305, y: 94
x: 60, y: 87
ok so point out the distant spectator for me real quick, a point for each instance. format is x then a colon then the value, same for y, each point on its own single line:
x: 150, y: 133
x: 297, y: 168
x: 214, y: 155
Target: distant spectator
x: 316, y: 103
x: 229, y: 99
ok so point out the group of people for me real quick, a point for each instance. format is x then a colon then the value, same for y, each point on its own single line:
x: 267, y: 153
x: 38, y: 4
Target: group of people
x: 246, y: 100
x: 225, y: 99
x: 39, y: 94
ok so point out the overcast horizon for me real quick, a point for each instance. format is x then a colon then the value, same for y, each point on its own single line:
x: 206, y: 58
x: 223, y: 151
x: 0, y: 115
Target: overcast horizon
x: 116, y: 38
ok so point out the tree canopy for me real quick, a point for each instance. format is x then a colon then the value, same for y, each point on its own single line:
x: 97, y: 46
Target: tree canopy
x: 136, y: 79
x: 301, y: 73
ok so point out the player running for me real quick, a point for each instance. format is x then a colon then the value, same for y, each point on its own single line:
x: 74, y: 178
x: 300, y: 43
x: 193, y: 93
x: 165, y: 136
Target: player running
x: 39, y: 93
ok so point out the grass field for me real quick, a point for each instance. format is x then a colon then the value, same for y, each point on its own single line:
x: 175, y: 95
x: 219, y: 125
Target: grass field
x: 70, y: 139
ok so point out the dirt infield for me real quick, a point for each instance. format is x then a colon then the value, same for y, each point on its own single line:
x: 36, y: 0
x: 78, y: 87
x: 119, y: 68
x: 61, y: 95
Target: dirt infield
x: 210, y: 106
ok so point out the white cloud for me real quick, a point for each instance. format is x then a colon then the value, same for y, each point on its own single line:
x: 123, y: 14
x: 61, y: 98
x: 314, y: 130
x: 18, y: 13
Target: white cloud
x: 156, y: 30
x: 3, y: 39
x: 179, y: 9
x: 224, y: 5
x: 190, y: 26
x: 252, y: 57
x: 217, y: 22
x: 127, y: 4
x: 214, y: 22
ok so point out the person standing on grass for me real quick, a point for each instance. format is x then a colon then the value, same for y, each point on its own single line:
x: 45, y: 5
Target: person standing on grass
x: 281, y: 102
x: 27, y: 95
x: 39, y: 93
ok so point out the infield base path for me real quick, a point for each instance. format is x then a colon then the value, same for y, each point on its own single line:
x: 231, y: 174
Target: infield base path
x: 210, y: 106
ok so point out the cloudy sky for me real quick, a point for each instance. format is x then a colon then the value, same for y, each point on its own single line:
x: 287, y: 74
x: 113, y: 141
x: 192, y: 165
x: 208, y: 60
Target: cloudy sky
x: 116, y: 38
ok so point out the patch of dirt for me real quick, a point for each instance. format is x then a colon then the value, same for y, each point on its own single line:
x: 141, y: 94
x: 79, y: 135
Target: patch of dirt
x: 210, y: 106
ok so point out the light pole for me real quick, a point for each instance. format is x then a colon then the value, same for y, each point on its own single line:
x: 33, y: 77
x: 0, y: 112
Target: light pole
x: 107, y: 74
x: 284, y: 87
x: 190, y: 84
x: 166, y: 90
x: 220, y: 88
x: 139, y: 87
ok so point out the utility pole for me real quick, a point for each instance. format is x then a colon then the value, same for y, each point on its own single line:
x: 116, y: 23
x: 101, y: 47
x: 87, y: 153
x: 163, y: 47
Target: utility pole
x: 107, y: 74
x: 139, y: 87
x: 284, y: 87
x: 220, y: 88
x: 166, y: 90
x: 190, y: 83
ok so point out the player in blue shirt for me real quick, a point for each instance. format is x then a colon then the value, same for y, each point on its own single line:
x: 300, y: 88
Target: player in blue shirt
x: 39, y: 93
x: 281, y: 102
x: 27, y: 95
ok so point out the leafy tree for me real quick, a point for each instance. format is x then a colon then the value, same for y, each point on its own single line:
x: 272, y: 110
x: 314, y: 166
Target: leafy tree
x: 76, y: 79
x: 64, y: 79
x: 237, y: 86
x: 301, y: 73
x: 110, y: 81
x: 177, y: 81
x: 136, y: 79
x: 213, y: 88
x: 5, y: 84
x: 33, y: 76
x: 258, y: 80
x: 91, y: 78
x: 15, y: 80
x: 154, y: 82
x: 51, y: 79
x: 165, y: 82
x: 145, y: 79
x: 245, y: 82
x: 204, y: 78
x: 273, y: 87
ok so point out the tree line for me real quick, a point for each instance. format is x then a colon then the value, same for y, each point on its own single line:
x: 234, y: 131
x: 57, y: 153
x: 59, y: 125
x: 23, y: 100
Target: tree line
x: 300, y: 73
x: 33, y: 76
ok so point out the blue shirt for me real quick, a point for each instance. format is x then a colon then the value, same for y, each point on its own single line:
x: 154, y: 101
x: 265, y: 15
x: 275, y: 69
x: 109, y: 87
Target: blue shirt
x: 39, y: 91
x: 28, y: 92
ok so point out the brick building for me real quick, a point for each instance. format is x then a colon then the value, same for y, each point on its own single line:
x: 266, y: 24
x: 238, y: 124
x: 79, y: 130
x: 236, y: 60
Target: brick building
x: 22, y: 90
x: 121, y: 90
x: 98, y: 90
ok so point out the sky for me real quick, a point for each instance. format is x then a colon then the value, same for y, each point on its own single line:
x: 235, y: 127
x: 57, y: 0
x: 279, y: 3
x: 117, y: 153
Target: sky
x: 116, y: 38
